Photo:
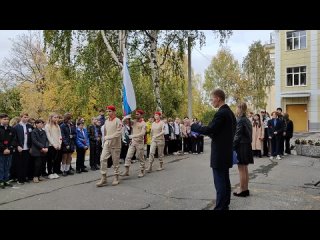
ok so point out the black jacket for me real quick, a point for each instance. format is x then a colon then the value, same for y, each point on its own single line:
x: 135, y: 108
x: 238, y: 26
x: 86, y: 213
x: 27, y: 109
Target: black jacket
x: 289, y: 132
x: 243, y: 132
x: 278, y: 128
x: 21, y: 135
x: 91, y: 133
x: 68, y: 137
x: 7, y: 139
x: 221, y: 129
x: 39, y: 141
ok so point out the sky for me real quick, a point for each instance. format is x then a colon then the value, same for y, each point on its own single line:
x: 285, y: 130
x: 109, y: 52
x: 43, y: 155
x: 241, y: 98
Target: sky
x: 238, y: 43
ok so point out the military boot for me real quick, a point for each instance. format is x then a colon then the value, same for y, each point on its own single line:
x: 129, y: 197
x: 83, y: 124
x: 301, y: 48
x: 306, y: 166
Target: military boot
x: 103, y: 181
x: 115, y: 180
x: 149, y: 169
x: 141, y: 174
x: 126, y: 172
x: 160, y: 167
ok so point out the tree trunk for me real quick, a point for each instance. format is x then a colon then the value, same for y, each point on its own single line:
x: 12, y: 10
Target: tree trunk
x: 122, y: 45
x: 113, y: 55
x: 154, y: 67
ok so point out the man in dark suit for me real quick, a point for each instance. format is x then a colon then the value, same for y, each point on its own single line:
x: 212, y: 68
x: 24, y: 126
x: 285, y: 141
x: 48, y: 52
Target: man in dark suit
x: 221, y: 130
x: 275, y: 131
x: 93, y: 133
x: 24, y: 164
x: 284, y: 130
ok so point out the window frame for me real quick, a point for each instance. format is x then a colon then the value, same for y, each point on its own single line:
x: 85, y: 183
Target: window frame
x: 293, y: 37
x: 292, y: 73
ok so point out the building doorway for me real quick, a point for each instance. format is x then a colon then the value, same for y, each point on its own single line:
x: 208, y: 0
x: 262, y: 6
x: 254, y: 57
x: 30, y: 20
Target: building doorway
x: 298, y: 113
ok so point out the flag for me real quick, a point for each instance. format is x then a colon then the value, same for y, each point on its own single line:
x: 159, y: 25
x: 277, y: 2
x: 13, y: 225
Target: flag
x: 129, y: 99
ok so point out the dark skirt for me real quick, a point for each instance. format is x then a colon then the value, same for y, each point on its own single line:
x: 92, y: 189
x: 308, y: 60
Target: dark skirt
x: 244, y: 153
x: 70, y: 150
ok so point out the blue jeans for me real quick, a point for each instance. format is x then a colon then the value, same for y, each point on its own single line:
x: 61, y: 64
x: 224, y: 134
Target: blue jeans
x: 223, y: 188
x: 5, y: 165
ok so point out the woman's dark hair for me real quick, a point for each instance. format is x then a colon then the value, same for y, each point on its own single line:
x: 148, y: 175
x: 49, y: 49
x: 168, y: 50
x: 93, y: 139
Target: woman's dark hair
x: 255, y: 123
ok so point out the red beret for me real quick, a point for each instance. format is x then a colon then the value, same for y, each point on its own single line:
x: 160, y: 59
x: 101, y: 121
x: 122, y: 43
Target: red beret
x: 158, y: 113
x: 112, y: 108
x: 140, y: 111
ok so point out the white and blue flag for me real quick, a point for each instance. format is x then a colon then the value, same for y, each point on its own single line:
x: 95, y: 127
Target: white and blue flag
x: 128, y: 96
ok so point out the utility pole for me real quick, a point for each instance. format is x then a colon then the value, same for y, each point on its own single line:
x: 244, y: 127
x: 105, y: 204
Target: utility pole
x: 189, y: 80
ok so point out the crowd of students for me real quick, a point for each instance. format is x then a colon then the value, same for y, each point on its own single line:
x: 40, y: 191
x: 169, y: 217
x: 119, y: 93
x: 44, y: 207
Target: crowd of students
x: 271, y: 135
x: 32, y: 150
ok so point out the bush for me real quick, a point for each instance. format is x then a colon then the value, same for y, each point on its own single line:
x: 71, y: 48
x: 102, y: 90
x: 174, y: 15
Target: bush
x: 310, y: 142
x: 303, y: 142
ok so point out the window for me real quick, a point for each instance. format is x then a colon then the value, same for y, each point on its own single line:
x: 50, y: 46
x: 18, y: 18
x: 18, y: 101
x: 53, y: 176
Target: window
x: 297, y: 76
x: 296, y: 40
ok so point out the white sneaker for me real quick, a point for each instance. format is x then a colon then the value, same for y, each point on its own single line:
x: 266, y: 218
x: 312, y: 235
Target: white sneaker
x: 285, y: 154
x: 56, y: 175
x: 278, y: 157
x: 271, y: 158
x: 186, y: 153
x: 51, y: 176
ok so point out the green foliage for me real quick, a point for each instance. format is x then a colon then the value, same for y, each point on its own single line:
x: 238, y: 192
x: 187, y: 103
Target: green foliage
x: 59, y: 43
x: 207, y: 116
x: 259, y: 71
x: 225, y: 72
x: 81, y: 76
x: 10, y: 102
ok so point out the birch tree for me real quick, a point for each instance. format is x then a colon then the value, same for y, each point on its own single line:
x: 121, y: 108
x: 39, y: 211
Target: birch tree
x: 225, y: 72
x: 259, y: 71
x: 151, y: 47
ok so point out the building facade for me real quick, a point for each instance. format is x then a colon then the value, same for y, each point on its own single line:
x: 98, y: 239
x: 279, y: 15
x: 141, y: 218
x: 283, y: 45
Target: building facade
x: 297, y: 84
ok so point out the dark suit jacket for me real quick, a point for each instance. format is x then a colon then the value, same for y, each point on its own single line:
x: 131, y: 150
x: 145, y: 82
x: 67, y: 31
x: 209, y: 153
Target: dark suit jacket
x: 221, y: 129
x: 91, y: 133
x: 21, y: 136
x: 69, y: 135
x: 289, y: 132
x: 278, y: 128
x: 39, y: 141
